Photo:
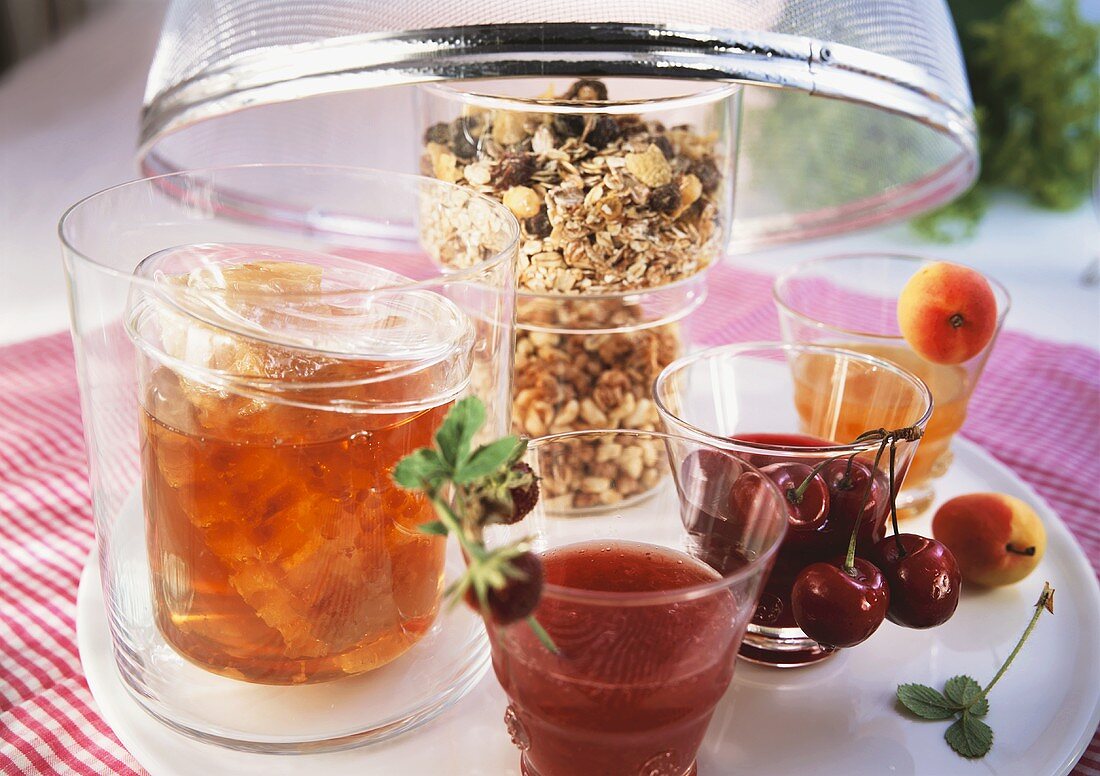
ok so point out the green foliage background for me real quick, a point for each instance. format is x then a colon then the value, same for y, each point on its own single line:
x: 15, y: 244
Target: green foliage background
x: 1035, y: 80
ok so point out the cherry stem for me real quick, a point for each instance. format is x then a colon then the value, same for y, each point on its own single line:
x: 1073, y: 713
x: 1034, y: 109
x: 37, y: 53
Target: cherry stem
x: 847, y: 478
x: 850, y: 558
x: 1046, y: 601
x: 894, y: 502
x: 1029, y: 551
x: 877, y: 433
x: 795, y: 494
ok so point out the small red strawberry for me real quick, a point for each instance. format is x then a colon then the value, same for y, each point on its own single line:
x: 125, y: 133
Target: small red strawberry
x: 524, y: 497
x: 511, y: 503
x: 519, y: 596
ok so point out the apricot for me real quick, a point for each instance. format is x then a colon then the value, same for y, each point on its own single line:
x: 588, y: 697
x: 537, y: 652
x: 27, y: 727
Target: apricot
x: 947, y: 312
x: 997, y: 539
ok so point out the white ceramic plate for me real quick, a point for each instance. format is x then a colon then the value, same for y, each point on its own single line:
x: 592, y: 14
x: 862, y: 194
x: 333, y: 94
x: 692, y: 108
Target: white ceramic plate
x: 836, y: 717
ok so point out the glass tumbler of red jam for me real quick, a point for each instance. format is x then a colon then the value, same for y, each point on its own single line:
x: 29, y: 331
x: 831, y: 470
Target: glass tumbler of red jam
x: 755, y: 401
x: 645, y: 628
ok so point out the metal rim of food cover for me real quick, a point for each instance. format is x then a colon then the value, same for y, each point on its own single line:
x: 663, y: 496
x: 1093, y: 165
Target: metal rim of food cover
x: 934, y: 106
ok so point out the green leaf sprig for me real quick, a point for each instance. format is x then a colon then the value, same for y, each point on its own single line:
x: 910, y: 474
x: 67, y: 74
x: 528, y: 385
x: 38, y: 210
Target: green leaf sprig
x: 964, y: 700
x: 478, y: 482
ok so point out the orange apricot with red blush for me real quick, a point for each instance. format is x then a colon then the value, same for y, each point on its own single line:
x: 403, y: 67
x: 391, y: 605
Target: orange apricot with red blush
x: 996, y: 539
x: 947, y: 312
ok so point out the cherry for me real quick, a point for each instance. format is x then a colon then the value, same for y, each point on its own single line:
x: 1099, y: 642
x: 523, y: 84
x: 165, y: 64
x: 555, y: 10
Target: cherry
x: 711, y: 465
x: 805, y: 494
x: 519, y: 597
x: 706, y: 476
x: 718, y: 533
x: 924, y: 580
x: 748, y: 495
x: 847, y: 480
x: 838, y: 606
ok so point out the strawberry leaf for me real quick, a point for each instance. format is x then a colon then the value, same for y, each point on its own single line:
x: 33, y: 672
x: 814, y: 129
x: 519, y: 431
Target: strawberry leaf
x: 966, y: 693
x: 421, y: 469
x: 925, y: 702
x: 483, y: 476
x: 969, y: 736
x: 457, y: 431
x: 486, y: 460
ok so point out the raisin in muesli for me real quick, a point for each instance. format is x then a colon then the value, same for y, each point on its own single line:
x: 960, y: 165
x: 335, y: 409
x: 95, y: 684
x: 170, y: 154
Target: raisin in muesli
x: 665, y: 199
x: 514, y: 169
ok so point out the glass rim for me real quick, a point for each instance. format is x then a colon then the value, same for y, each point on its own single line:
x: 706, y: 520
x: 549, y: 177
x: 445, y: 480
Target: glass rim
x: 684, y: 284
x: 465, y: 274
x: 660, y: 597
x: 708, y: 92
x: 1000, y: 293
x: 688, y: 294
x: 726, y: 443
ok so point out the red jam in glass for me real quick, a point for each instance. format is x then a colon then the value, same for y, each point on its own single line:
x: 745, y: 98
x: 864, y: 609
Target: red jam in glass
x: 634, y: 686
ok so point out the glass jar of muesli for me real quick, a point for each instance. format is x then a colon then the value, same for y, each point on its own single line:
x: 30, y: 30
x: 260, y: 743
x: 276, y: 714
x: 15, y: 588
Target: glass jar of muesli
x: 624, y: 191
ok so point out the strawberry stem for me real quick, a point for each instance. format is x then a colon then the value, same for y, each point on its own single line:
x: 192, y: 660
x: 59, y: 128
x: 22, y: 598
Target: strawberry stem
x: 542, y: 635
x: 1046, y: 601
x: 455, y: 526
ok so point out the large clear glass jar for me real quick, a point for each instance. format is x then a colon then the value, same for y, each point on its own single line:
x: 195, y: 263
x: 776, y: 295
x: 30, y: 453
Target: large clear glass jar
x: 589, y: 362
x: 624, y: 192
x: 250, y: 373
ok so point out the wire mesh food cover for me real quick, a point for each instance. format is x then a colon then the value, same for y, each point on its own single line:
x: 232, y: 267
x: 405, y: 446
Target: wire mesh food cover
x: 895, y: 137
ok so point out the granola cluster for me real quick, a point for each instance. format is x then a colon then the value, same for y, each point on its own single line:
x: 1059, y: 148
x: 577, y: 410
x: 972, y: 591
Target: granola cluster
x: 571, y: 376
x: 601, y: 473
x: 607, y: 202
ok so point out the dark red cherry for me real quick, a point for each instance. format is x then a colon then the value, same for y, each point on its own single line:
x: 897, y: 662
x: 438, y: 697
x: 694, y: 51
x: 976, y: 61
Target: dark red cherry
x: 749, y: 494
x: 924, y: 583
x: 837, y: 608
x: 719, y: 533
x: 705, y: 476
x: 847, y: 481
x: 519, y: 597
x: 712, y: 464
x: 807, y: 502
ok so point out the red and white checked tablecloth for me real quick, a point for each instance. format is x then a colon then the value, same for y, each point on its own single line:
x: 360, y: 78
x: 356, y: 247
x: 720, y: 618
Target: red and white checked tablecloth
x: 1037, y: 409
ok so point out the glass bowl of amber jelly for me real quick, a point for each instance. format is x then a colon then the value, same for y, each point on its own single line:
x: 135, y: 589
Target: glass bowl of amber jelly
x: 258, y: 346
